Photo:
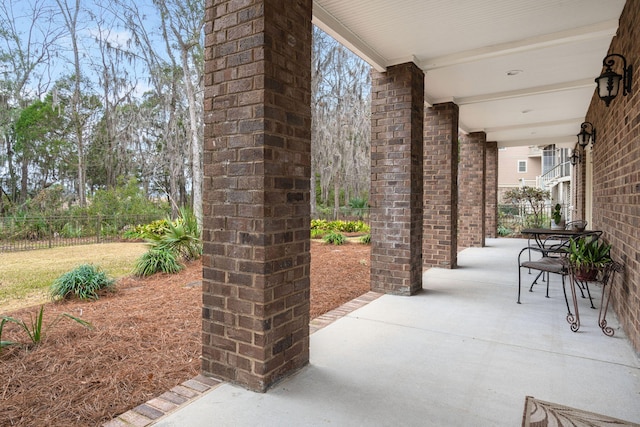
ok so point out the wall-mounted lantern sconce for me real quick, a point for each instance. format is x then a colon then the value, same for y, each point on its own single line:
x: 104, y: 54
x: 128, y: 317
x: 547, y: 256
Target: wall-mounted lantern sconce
x: 587, y: 135
x: 575, y: 158
x: 609, y: 81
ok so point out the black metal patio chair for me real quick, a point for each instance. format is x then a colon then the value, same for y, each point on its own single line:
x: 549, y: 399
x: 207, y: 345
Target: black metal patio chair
x: 579, y: 225
x: 550, y: 260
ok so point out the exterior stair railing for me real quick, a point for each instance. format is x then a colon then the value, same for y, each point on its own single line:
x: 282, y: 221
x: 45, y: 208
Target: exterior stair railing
x: 562, y: 170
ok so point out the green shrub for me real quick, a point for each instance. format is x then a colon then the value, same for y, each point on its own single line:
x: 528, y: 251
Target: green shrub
x: 127, y: 198
x: 148, y: 231
x: 352, y: 226
x: 317, y: 234
x: 83, y: 282
x: 342, y: 226
x: 358, y: 203
x: 503, y: 231
x: 366, y: 239
x: 319, y: 224
x: 71, y: 230
x: 157, y: 260
x: 179, y: 240
x: 182, y: 237
x: 334, y: 238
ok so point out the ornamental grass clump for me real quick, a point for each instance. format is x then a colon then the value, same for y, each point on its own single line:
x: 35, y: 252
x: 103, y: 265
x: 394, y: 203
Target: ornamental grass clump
x: 334, y: 238
x: 157, y: 260
x: 4, y: 344
x: 84, y: 282
x: 35, y: 328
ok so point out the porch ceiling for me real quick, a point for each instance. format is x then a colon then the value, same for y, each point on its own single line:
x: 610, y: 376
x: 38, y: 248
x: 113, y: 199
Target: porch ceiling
x: 468, y: 47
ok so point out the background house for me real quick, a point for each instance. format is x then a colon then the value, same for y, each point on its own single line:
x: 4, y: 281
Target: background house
x: 546, y: 167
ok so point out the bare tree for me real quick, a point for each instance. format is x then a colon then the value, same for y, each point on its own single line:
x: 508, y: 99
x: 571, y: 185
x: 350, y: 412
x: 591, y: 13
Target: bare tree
x: 166, y: 100
x: 185, y: 18
x: 340, y: 121
x: 70, y: 17
x: 28, y: 37
x: 112, y: 141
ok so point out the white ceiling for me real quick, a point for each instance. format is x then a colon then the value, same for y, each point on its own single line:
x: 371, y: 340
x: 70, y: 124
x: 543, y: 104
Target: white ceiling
x: 466, y: 48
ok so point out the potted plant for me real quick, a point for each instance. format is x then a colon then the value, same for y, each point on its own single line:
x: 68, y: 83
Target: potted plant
x: 588, y: 255
x: 556, y: 215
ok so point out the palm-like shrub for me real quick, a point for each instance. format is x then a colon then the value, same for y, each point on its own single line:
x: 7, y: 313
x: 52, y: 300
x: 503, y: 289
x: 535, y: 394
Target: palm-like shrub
x: 180, y: 241
x: 183, y: 237
x: 84, y: 282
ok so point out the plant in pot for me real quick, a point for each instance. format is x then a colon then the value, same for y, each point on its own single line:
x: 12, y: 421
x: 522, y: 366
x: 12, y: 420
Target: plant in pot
x: 588, y: 256
x: 556, y: 215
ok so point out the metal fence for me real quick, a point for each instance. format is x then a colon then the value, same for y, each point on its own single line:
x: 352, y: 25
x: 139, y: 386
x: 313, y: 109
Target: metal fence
x: 343, y: 214
x: 513, y: 218
x: 27, y: 233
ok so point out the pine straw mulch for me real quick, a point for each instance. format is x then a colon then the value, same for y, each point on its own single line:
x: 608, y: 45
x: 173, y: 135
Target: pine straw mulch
x: 146, y: 341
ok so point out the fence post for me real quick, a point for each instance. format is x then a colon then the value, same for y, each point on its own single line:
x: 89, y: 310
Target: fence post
x: 98, y: 228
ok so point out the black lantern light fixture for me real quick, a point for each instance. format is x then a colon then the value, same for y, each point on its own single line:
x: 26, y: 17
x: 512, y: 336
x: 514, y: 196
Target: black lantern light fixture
x: 587, y: 135
x: 609, y: 81
x: 575, y: 158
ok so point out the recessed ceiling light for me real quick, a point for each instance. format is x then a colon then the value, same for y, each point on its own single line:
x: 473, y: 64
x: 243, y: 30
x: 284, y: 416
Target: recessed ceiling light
x: 513, y: 72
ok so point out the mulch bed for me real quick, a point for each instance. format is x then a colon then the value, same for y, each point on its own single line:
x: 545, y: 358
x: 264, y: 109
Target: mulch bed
x: 146, y: 341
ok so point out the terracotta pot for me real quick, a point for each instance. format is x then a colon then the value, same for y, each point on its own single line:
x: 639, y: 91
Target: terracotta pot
x: 587, y: 274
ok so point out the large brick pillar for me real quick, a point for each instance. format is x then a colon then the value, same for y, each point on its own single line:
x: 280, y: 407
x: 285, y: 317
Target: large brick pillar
x: 471, y: 188
x: 256, y: 190
x: 491, y: 189
x: 440, y: 247
x: 396, y: 179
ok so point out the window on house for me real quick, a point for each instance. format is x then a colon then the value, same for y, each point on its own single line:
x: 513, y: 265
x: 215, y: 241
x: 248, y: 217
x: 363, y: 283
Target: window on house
x: 522, y: 166
x: 549, y: 155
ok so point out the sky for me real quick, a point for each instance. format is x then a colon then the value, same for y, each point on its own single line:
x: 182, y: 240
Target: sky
x: 95, y: 21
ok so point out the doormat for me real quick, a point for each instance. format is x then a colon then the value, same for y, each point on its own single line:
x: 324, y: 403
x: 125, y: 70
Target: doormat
x: 538, y: 413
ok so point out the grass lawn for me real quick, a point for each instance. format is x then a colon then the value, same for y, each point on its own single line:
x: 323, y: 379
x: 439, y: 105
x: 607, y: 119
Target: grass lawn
x: 25, y: 276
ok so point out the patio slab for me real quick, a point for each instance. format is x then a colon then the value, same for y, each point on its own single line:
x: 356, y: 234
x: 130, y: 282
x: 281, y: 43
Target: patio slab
x: 460, y: 353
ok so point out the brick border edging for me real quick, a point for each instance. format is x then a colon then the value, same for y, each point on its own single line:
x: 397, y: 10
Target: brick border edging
x: 181, y: 395
x: 346, y: 308
x: 156, y: 408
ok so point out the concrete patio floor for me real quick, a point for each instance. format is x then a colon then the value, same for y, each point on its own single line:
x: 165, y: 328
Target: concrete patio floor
x: 460, y: 353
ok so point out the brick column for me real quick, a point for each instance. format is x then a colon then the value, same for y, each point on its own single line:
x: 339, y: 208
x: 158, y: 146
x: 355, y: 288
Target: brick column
x: 256, y: 190
x: 440, y: 242
x: 471, y: 187
x: 396, y: 179
x: 491, y: 189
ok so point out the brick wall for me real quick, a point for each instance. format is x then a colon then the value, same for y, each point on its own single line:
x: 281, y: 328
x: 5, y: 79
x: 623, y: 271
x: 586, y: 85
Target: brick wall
x: 440, y: 242
x: 471, y: 190
x: 616, y: 175
x: 396, y: 179
x: 491, y: 189
x: 256, y: 190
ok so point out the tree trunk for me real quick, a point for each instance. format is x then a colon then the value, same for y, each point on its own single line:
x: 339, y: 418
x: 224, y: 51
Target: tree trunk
x: 336, y: 197
x: 71, y: 21
x: 24, y: 180
x: 192, y: 133
x: 314, y: 211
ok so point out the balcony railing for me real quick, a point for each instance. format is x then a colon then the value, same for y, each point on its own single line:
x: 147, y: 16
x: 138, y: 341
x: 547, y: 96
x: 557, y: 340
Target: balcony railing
x: 563, y: 170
